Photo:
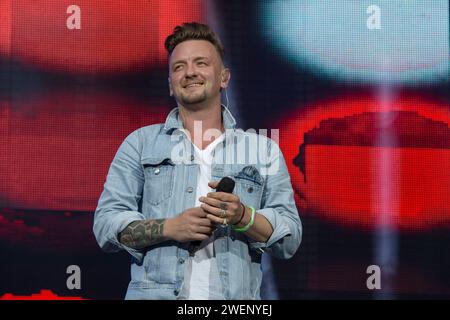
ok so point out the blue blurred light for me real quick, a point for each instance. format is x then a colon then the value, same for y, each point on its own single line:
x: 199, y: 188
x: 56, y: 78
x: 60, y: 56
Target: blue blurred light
x: 334, y: 37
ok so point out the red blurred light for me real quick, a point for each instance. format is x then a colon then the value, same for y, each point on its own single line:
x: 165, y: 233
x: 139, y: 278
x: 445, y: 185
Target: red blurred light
x: 56, y: 155
x: 42, y: 295
x: 115, y: 36
x: 5, y: 27
x: 344, y: 184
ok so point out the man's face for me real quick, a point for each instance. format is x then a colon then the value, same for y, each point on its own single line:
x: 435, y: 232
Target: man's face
x: 195, y: 70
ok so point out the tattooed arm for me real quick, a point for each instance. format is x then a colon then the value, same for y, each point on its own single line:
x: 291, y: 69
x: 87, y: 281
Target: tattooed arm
x: 190, y: 225
x: 144, y: 233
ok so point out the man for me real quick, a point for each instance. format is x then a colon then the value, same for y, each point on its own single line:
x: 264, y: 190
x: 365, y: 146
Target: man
x: 159, y: 204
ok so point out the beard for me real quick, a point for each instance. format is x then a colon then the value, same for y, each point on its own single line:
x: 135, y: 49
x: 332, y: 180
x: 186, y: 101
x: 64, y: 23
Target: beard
x: 193, y: 97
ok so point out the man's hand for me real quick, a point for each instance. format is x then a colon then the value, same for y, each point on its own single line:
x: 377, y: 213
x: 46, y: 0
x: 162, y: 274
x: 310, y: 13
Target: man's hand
x: 222, y: 208
x: 190, y: 225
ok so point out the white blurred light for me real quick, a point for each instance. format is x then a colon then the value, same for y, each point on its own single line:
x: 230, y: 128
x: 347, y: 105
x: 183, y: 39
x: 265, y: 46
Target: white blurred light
x: 400, y: 41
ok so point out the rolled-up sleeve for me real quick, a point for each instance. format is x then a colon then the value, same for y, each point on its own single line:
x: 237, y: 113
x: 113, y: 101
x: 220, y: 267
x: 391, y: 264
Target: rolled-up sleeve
x: 278, y: 207
x: 119, y: 201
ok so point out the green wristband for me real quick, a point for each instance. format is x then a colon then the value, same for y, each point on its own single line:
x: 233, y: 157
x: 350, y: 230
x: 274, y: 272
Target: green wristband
x: 245, y: 228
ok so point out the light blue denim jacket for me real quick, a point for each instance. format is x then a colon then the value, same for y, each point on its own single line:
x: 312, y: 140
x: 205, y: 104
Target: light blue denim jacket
x: 154, y: 175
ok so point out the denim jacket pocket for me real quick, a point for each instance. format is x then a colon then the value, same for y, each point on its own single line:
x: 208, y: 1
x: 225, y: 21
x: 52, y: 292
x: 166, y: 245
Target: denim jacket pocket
x: 249, y: 186
x: 152, y: 263
x: 160, y: 263
x: 158, y: 179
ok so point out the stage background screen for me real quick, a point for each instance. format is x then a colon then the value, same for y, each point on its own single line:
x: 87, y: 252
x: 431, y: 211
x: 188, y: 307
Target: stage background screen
x: 359, y: 91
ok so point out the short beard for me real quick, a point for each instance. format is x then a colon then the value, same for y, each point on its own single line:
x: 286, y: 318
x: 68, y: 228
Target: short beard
x: 195, y: 99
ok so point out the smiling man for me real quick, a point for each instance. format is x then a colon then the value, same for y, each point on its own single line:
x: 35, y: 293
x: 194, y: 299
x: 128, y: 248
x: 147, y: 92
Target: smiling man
x: 197, y: 74
x: 187, y: 240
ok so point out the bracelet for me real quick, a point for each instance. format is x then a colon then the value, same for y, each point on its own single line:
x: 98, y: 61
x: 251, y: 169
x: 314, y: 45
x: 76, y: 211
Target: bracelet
x: 245, y: 228
x: 242, y: 215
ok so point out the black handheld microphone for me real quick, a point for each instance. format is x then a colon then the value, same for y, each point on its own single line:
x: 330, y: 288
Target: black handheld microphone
x: 226, y: 184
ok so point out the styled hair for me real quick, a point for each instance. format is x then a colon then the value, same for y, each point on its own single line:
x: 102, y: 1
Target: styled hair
x: 193, y: 31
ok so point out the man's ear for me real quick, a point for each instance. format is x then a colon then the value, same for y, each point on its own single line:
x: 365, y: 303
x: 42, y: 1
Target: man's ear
x: 226, y: 75
x: 170, y: 87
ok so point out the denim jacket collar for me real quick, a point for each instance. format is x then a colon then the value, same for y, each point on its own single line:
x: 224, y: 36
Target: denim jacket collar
x: 173, y: 120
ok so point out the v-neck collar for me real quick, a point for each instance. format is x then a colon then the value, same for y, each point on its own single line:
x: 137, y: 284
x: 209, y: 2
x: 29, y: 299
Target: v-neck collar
x: 210, y: 146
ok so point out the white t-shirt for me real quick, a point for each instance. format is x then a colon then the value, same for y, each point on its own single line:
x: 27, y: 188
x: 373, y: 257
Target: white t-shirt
x: 202, y: 281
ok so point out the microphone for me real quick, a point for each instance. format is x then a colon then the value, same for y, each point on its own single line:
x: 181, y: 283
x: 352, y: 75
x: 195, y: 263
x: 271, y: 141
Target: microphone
x: 226, y: 184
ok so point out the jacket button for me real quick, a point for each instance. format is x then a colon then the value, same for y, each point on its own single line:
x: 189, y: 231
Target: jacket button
x: 157, y: 171
x: 192, y: 157
x: 190, y: 189
x: 250, y: 189
x: 181, y: 261
x: 176, y: 292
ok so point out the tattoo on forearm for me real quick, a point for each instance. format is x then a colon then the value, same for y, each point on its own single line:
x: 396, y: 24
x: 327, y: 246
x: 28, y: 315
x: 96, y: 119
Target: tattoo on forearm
x: 141, y: 234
